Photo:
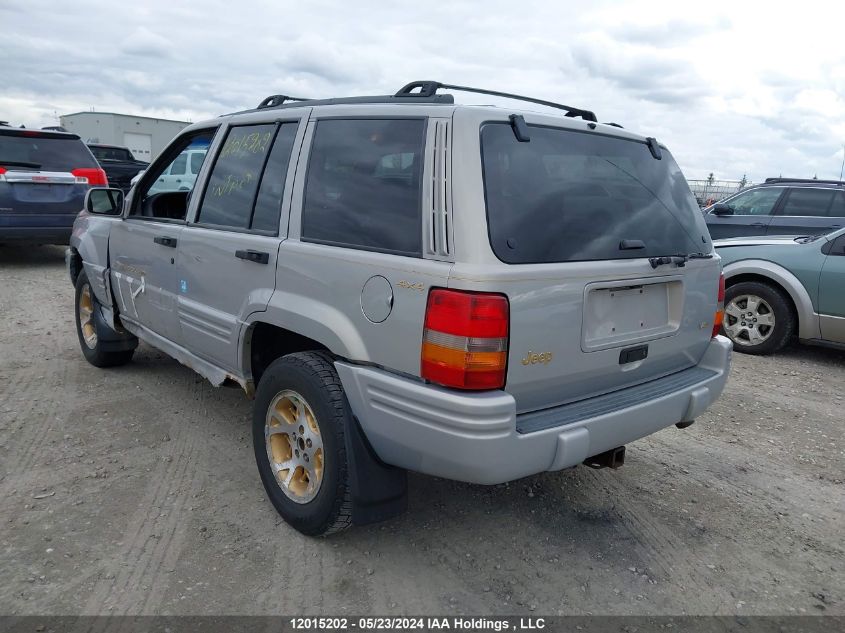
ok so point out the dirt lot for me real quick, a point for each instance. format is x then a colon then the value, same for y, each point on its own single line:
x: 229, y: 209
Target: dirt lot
x: 133, y: 491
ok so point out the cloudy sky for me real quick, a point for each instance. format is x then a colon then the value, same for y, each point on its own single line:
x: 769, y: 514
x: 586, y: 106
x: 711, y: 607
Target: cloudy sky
x: 732, y: 88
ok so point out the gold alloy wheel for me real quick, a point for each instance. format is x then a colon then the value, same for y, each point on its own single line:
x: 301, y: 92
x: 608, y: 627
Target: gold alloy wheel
x: 294, y: 446
x: 86, y: 317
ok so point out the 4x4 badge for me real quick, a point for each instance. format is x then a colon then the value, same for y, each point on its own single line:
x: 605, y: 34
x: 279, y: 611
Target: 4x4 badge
x: 411, y: 286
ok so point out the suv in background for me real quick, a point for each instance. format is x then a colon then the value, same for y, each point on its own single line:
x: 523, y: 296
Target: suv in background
x: 44, y: 176
x: 470, y: 292
x: 182, y: 172
x: 780, y: 206
x: 119, y: 164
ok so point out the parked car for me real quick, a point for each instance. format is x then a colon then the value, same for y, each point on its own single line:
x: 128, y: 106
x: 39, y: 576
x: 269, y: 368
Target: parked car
x: 119, y: 164
x: 43, y: 179
x: 779, y: 287
x: 780, y: 206
x: 404, y: 283
x: 181, y: 174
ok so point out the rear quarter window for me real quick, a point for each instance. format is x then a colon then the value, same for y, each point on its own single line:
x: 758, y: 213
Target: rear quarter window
x: 807, y: 202
x: 572, y: 196
x: 363, y: 188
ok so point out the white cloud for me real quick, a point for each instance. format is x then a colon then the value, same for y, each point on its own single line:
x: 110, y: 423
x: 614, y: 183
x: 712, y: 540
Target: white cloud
x: 732, y: 87
x: 144, y: 43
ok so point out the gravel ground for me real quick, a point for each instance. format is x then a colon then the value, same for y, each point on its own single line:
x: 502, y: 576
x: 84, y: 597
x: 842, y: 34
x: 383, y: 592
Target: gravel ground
x: 134, y: 491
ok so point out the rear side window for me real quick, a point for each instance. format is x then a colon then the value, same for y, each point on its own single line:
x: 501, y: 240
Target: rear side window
x: 807, y: 202
x: 363, y: 188
x: 572, y: 196
x: 247, y: 181
x: 29, y: 150
x: 111, y: 153
x: 234, y: 178
x: 837, y: 209
x: 197, y: 159
x: 268, y: 203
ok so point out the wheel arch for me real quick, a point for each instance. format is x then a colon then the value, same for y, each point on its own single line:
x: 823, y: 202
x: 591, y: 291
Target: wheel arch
x: 74, y: 264
x: 775, y: 275
x: 264, y: 341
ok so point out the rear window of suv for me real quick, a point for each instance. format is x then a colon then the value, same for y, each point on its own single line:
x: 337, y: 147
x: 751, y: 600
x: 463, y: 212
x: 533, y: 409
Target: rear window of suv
x: 572, y: 196
x: 29, y: 150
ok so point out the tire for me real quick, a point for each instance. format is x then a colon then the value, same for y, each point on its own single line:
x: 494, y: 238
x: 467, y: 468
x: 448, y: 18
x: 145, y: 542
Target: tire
x: 749, y: 307
x: 86, y: 310
x: 313, y: 495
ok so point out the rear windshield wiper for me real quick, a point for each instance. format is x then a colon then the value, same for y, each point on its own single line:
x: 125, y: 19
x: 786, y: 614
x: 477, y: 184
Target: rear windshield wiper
x: 679, y: 260
x: 19, y: 163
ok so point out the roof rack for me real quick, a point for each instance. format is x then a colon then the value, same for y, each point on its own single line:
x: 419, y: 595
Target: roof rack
x: 276, y: 100
x: 430, y: 88
x: 417, y: 92
x: 813, y: 181
x: 280, y: 101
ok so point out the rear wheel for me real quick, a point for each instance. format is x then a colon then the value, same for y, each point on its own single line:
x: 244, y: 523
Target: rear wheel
x: 759, y: 318
x: 86, y: 312
x: 300, y: 419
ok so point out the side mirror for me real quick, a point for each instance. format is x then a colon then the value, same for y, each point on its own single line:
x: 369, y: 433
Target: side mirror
x: 720, y: 208
x: 104, y: 201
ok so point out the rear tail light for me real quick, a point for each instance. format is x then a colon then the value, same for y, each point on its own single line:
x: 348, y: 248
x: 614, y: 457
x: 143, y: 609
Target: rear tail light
x: 465, y: 341
x: 720, y: 307
x: 93, y: 176
x: 2, y: 170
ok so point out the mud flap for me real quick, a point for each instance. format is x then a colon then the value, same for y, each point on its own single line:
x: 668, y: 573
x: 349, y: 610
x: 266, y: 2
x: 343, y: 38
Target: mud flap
x: 109, y: 339
x: 379, y: 491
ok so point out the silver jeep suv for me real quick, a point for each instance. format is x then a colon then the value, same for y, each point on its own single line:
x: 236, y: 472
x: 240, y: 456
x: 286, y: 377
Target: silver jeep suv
x: 403, y: 283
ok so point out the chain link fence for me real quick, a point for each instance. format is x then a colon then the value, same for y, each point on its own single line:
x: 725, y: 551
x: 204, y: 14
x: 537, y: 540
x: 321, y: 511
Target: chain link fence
x: 710, y: 190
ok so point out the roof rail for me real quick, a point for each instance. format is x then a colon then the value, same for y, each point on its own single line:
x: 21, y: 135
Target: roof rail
x: 276, y: 100
x: 279, y: 101
x: 430, y: 88
x: 813, y: 181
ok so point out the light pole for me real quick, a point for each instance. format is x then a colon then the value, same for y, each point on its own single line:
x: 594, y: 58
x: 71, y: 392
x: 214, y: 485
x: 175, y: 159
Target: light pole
x: 843, y: 163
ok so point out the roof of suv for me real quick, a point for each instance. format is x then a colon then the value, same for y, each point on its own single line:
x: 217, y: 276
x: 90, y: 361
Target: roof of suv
x: 20, y: 131
x: 416, y: 92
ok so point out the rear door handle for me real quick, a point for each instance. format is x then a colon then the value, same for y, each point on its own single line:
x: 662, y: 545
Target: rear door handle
x: 258, y: 257
x: 760, y: 224
x: 165, y: 241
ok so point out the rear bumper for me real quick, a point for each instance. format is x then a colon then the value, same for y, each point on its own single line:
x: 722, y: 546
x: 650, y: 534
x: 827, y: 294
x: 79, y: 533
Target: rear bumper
x: 477, y: 438
x: 36, y: 234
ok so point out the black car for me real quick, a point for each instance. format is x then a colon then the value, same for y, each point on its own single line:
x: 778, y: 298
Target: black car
x: 779, y: 206
x: 44, y: 176
x: 120, y: 165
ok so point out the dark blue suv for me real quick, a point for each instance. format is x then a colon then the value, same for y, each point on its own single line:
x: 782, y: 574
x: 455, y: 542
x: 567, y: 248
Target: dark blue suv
x: 779, y: 206
x: 43, y: 179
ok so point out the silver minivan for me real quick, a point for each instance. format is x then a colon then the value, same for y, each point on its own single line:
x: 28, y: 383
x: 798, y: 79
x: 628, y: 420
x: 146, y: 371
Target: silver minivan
x: 404, y: 283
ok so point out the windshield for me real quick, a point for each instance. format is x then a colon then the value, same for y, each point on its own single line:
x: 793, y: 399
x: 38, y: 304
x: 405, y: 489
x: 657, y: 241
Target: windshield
x: 573, y: 196
x: 44, y: 153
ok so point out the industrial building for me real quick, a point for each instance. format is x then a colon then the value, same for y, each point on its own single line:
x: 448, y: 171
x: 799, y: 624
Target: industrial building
x: 145, y: 136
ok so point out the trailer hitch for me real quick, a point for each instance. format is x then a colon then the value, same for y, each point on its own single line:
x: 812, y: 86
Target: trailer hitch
x: 614, y: 458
